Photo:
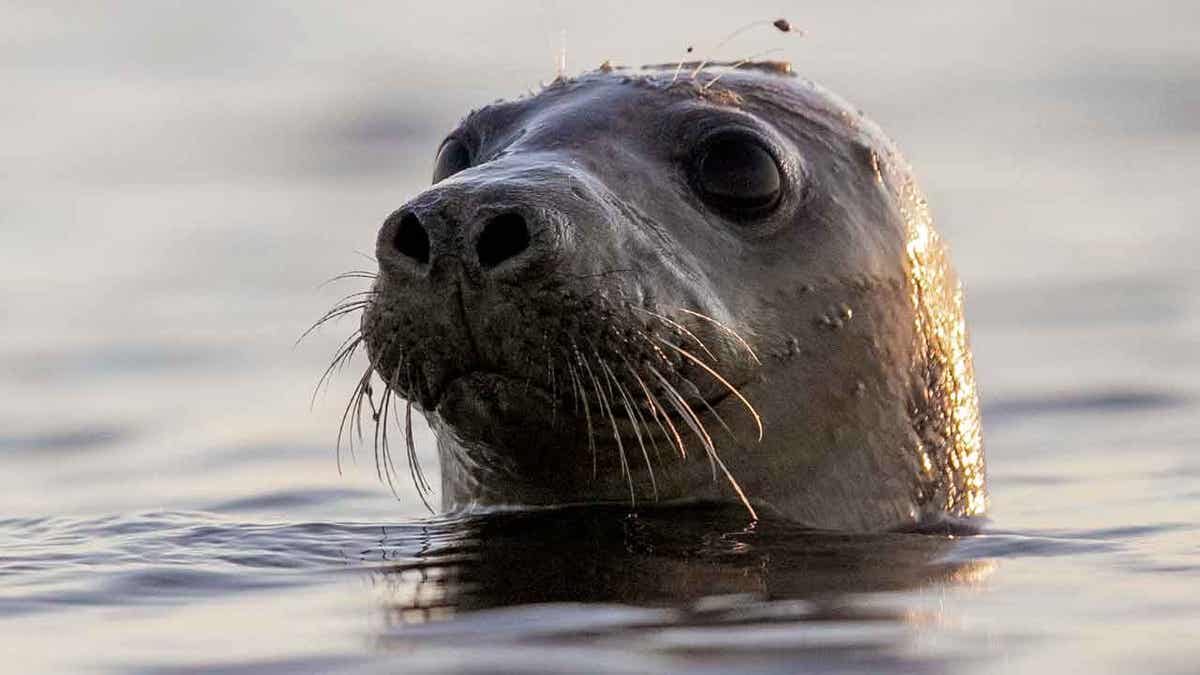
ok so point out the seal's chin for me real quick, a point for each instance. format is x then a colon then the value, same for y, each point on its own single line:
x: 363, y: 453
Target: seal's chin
x: 494, y: 408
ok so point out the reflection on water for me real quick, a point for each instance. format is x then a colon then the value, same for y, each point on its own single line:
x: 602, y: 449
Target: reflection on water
x: 663, y: 589
x: 701, y: 581
x: 661, y: 557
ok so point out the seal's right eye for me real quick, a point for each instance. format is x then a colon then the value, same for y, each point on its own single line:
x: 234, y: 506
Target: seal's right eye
x: 451, y: 158
x: 737, y: 175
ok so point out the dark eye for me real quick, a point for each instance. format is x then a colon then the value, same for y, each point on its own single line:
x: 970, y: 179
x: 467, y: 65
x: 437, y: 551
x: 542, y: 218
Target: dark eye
x: 451, y: 158
x: 735, y: 173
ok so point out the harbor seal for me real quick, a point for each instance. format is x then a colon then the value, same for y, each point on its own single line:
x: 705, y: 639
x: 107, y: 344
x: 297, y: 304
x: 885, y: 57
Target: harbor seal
x: 667, y: 284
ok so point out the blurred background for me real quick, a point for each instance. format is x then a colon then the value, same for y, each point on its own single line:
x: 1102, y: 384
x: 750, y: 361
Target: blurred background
x: 179, y: 178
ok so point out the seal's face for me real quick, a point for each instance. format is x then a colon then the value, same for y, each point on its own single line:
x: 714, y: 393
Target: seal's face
x: 624, y: 268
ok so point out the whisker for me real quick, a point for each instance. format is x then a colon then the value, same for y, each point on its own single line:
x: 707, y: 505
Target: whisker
x: 389, y: 463
x: 357, y: 294
x: 715, y: 414
x: 344, y: 353
x: 607, y: 408
x: 381, y: 467
x: 656, y: 404
x: 732, y: 389
x: 600, y: 361
x: 341, y: 306
x: 654, y: 408
x: 680, y: 327
x: 688, y: 415
x: 550, y: 375
x: 355, y: 396
x: 352, y: 274
x: 387, y: 453
x: 682, y: 407
x: 662, y: 356
x: 574, y: 386
x: 414, y: 464
x: 741, y: 340
x: 337, y: 312
x: 634, y: 418
x: 587, y: 416
x: 713, y: 456
x: 735, y: 485
x: 370, y: 397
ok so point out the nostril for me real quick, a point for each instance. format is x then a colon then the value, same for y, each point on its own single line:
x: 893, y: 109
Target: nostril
x: 411, y: 239
x: 503, y: 237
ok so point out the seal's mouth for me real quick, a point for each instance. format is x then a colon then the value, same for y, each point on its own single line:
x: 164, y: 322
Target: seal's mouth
x: 476, y: 382
x: 491, y: 398
x: 489, y: 386
x: 562, y: 389
x: 558, y: 370
x: 487, y: 395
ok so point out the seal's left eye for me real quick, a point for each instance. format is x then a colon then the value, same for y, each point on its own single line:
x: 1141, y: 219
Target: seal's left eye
x: 451, y: 158
x: 737, y: 175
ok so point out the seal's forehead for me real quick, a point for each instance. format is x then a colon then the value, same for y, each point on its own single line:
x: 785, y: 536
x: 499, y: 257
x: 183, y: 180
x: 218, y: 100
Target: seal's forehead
x: 593, y: 94
x: 654, y: 87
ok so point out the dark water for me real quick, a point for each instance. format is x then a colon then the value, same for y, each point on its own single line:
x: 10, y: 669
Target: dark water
x: 180, y: 178
x: 590, y: 589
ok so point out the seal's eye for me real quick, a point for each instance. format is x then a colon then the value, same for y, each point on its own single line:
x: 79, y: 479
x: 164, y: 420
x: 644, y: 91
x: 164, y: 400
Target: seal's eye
x: 451, y: 158
x: 736, y: 174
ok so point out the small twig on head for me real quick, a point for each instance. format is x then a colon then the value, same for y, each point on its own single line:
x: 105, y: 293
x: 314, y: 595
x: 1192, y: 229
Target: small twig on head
x: 739, y: 64
x: 782, y: 25
x: 561, y: 61
x: 679, y: 67
x: 785, y: 26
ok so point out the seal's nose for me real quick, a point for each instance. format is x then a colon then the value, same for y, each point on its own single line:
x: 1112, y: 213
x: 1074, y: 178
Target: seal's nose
x: 502, y: 237
x: 410, y: 239
x: 509, y: 219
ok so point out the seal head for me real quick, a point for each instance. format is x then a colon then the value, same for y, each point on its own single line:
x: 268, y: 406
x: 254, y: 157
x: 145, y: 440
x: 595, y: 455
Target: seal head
x: 641, y: 286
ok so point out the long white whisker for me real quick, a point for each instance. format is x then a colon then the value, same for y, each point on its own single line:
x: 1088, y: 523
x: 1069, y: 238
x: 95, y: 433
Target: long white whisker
x: 680, y: 327
x: 713, y: 456
x: 732, y: 389
x: 736, y: 336
x: 634, y: 418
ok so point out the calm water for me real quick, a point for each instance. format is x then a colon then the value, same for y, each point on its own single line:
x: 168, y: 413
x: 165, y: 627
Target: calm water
x: 179, y: 180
